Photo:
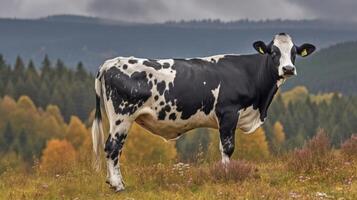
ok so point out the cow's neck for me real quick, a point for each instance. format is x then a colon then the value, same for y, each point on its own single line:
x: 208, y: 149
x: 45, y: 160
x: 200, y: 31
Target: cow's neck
x: 266, y: 86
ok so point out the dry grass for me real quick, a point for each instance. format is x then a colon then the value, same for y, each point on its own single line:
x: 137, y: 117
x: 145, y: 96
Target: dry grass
x: 236, y: 171
x: 264, y: 180
x: 349, y: 148
x: 315, y: 155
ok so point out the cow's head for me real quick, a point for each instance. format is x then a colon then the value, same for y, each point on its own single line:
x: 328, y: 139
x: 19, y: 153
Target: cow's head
x: 283, y: 53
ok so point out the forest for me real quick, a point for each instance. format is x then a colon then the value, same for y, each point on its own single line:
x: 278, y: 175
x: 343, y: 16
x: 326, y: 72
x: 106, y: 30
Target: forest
x: 46, y: 112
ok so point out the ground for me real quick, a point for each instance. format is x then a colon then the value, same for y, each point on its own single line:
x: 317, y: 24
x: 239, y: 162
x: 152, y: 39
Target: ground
x: 268, y: 179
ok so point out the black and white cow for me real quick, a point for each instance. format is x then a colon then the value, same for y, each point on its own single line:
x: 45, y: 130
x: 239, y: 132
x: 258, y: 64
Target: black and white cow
x: 171, y: 96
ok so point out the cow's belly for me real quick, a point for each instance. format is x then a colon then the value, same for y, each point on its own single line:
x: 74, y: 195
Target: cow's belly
x: 172, y: 129
x: 249, y: 120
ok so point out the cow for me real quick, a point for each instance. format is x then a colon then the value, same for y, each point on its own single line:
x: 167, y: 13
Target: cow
x: 169, y: 97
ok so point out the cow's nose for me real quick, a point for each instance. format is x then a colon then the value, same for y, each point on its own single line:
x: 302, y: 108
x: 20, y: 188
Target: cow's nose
x: 289, y: 70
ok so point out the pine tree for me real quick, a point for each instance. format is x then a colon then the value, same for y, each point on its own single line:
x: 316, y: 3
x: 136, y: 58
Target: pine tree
x: 80, y: 73
x: 60, y: 68
x: 23, y: 148
x: 3, y: 74
x: 2, y: 62
x: 46, y: 68
x: 19, y: 69
x: 8, y: 138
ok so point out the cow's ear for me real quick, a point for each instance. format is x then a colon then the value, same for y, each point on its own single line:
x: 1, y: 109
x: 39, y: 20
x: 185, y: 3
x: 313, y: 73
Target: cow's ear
x: 305, y: 49
x: 261, y: 47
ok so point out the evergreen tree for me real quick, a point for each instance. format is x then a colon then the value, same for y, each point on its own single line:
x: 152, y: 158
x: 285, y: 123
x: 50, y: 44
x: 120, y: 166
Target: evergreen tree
x: 80, y: 73
x: 46, y: 68
x: 23, y: 147
x: 8, y: 138
x: 19, y: 69
x: 2, y: 62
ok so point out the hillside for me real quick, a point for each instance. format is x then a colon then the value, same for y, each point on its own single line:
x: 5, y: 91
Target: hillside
x: 330, y: 69
x: 92, y: 40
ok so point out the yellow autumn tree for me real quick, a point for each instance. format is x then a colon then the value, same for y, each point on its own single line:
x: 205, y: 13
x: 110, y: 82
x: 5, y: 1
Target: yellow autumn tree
x: 54, y: 111
x: 278, y: 138
x: 251, y: 146
x: 143, y: 147
x: 299, y: 93
x: 50, y: 127
x: 25, y: 115
x: 279, y: 134
x: 7, y: 106
x: 85, y: 151
x: 76, y: 132
x: 59, y: 156
x: 26, y: 103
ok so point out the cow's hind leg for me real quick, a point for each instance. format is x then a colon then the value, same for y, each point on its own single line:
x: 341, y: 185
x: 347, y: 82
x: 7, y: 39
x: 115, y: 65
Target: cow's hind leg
x: 113, y: 149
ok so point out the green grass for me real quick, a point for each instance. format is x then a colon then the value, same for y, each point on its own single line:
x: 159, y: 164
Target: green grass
x: 270, y: 180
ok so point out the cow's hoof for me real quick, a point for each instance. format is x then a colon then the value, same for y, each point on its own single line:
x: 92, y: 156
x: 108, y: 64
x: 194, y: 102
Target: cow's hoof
x: 117, y: 185
x: 110, y: 185
x: 119, y: 189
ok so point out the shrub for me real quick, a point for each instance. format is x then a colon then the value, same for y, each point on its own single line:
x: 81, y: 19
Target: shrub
x: 234, y: 171
x: 59, y: 156
x: 315, y: 155
x: 349, y: 147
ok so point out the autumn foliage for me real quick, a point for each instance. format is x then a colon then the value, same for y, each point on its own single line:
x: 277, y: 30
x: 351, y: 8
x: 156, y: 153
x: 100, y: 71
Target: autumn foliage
x: 142, y: 146
x: 59, y: 156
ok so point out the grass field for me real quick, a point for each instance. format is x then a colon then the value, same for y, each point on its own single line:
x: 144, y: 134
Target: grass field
x: 271, y: 179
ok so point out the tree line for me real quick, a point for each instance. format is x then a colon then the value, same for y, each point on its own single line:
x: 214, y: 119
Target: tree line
x: 51, y: 83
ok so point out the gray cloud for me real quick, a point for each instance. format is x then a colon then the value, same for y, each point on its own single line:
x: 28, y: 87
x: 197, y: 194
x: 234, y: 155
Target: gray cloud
x: 329, y: 9
x: 41, y: 8
x: 163, y: 10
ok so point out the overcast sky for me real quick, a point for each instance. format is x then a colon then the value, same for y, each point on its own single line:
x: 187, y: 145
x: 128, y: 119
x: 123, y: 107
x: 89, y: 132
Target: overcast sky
x: 164, y: 10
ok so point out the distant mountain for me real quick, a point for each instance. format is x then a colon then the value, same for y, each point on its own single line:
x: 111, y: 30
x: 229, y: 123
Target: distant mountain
x: 330, y: 69
x: 92, y: 40
x: 82, y: 19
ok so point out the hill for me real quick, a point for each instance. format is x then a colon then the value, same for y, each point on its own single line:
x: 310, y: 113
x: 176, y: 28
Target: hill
x: 331, y: 69
x: 92, y: 40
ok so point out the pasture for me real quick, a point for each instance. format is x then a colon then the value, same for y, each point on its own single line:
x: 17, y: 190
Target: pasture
x: 332, y: 174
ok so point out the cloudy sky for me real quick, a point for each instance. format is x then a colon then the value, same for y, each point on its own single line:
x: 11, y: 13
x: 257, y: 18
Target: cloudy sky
x: 164, y: 10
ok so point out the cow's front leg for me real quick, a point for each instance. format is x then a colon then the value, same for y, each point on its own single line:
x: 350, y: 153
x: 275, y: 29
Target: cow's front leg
x: 227, y: 126
x: 113, y: 148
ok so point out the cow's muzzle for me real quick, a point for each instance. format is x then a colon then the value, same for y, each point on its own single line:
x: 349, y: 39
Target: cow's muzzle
x: 289, y: 70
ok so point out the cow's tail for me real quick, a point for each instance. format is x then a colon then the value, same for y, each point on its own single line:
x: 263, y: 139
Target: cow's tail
x: 97, y: 127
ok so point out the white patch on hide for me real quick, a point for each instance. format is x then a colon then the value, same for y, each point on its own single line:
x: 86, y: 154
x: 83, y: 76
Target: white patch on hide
x: 249, y: 119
